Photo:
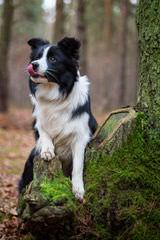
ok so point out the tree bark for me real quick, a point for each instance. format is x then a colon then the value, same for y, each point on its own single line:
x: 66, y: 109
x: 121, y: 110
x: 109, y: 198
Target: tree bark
x: 82, y: 34
x: 5, y: 39
x: 58, y: 26
x: 148, y: 16
x: 124, y: 5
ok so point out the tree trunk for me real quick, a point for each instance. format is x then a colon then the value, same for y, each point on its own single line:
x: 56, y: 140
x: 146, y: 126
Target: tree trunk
x: 58, y: 26
x: 5, y: 39
x: 124, y: 5
x: 108, y: 27
x: 148, y: 16
x: 82, y: 34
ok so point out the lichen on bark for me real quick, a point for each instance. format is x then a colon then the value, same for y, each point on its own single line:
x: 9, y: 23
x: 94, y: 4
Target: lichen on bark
x: 148, y: 18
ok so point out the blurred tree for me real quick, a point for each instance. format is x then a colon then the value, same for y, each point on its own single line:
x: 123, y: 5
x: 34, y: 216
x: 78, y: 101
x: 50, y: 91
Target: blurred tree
x: 124, y: 8
x: 58, y: 26
x: 108, y: 27
x: 71, y: 18
x: 5, y: 40
x: 95, y: 19
x: 28, y: 18
x: 82, y: 34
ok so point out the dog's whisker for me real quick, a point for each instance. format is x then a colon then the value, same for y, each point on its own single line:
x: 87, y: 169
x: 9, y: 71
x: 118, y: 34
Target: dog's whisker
x: 48, y: 75
x: 51, y: 75
x: 51, y: 70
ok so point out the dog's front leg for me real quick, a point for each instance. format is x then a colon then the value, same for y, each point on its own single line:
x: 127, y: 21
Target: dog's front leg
x: 78, y: 150
x: 45, y: 145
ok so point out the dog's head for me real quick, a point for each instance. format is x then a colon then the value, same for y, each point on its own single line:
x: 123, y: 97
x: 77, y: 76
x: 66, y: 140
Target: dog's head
x: 56, y: 63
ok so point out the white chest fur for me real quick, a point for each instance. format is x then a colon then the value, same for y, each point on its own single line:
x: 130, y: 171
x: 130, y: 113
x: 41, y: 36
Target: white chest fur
x: 54, y: 114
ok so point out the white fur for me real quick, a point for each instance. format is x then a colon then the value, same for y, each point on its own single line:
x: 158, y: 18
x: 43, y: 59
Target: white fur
x: 55, y: 124
x: 42, y: 62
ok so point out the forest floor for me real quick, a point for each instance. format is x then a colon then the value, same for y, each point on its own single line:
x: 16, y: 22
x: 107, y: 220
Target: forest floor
x: 16, y: 141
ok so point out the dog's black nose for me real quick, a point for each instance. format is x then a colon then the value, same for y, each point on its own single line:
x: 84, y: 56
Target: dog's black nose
x: 35, y: 66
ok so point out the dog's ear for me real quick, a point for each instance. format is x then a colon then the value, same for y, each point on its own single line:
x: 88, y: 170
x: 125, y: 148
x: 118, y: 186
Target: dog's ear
x: 70, y: 46
x: 37, y: 42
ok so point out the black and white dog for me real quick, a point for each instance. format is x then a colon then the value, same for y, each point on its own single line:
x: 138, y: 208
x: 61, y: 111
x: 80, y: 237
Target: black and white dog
x: 63, y: 122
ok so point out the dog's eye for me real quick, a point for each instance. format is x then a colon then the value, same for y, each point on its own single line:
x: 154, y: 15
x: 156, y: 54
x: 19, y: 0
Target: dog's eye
x: 52, y: 59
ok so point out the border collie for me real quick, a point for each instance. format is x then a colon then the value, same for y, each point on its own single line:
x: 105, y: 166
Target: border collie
x: 63, y: 122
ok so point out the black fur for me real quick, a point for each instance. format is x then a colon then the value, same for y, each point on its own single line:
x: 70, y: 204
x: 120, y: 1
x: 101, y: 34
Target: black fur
x: 36, y: 133
x: 70, y: 46
x: 86, y: 108
x: 32, y: 86
x: 35, y: 43
x: 27, y: 175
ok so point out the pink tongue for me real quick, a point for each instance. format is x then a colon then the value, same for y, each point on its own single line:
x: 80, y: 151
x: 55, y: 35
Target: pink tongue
x: 31, y: 71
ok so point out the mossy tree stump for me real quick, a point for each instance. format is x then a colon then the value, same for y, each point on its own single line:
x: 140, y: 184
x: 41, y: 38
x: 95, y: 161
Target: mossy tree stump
x: 48, y: 207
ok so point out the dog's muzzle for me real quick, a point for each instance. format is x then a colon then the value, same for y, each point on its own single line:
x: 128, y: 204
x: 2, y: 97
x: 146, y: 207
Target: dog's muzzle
x: 32, y: 71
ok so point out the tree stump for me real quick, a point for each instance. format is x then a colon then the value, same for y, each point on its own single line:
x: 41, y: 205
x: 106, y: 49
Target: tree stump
x: 47, y: 206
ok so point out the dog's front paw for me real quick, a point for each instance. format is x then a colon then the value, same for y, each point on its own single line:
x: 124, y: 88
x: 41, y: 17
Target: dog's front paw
x: 78, y: 188
x: 47, y: 153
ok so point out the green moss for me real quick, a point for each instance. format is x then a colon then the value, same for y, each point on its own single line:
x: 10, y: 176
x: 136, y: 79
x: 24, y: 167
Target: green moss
x: 123, y: 190
x: 111, y: 124
x: 2, y: 217
x: 58, y: 190
x: 28, y: 237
